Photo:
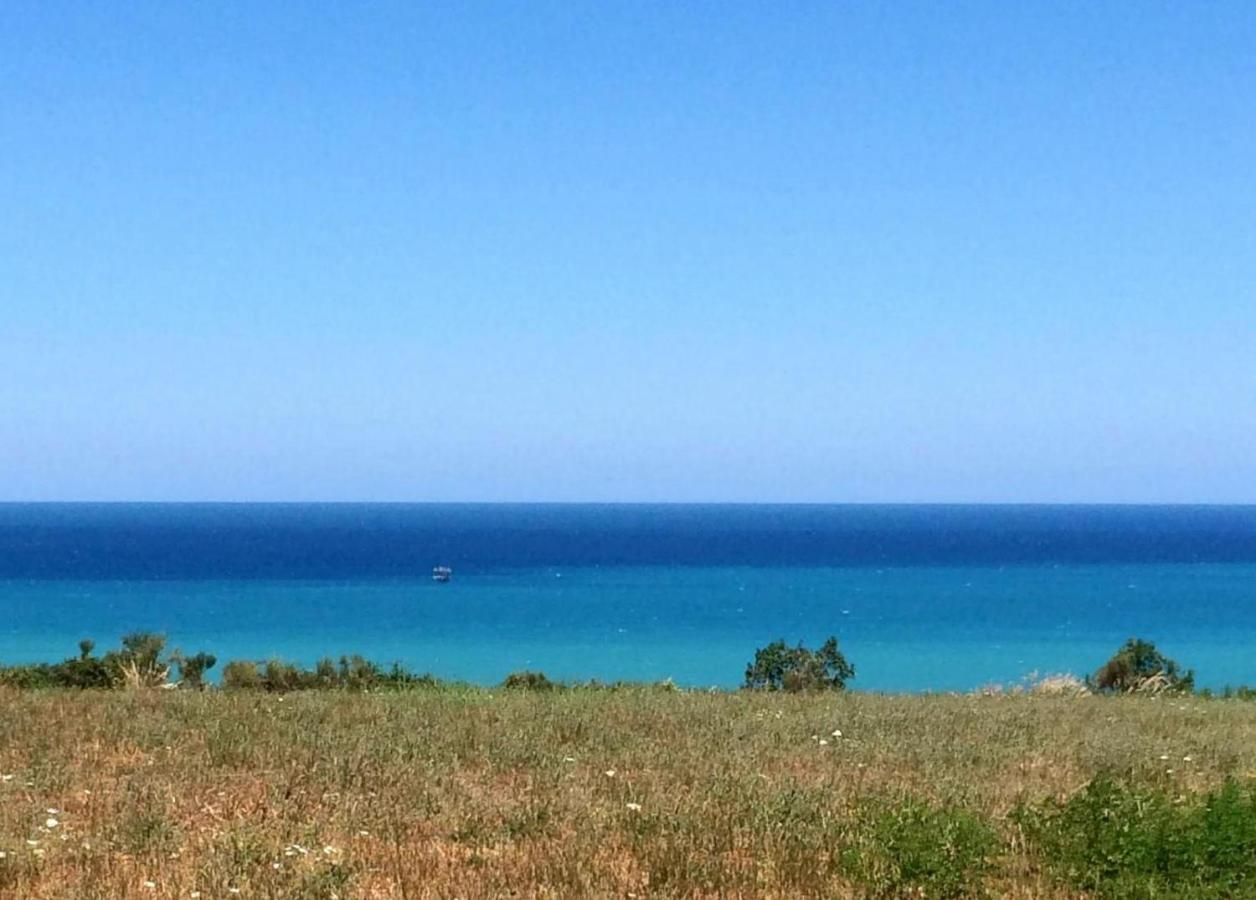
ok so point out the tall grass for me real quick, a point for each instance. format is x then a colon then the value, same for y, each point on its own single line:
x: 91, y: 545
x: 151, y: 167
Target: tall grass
x: 572, y: 793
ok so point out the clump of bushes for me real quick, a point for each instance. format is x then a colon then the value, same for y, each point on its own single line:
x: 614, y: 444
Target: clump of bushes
x: 910, y: 848
x: 779, y: 667
x: 528, y: 681
x: 140, y: 662
x: 1139, y: 666
x: 353, y: 673
x: 1120, y: 840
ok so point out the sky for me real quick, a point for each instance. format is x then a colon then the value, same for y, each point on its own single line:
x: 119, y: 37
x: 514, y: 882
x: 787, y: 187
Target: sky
x: 628, y: 251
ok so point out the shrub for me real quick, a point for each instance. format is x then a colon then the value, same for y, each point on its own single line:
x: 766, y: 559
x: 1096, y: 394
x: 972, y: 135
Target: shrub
x: 1139, y: 666
x: 39, y: 675
x: 778, y: 667
x: 192, y: 669
x: 912, y: 849
x: 353, y: 673
x: 139, y: 664
x: 1118, y: 840
x: 83, y: 671
x: 325, y: 674
x: 281, y: 677
x: 241, y: 674
x: 358, y: 673
x: 528, y: 681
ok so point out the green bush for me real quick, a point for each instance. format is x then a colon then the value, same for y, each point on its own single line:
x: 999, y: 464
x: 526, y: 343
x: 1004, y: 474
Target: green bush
x: 911, y: 849
x: 30, y: 677
x: 138, y: 661
x: 778, y: 667
x: 1139, y: 666
x: 1122, y: 841
x: 281, y: 677
x: 358, y: 674
x: 528, y: 681
x: 352, y: 673
x: 241, y: 674
x: 192, y: 669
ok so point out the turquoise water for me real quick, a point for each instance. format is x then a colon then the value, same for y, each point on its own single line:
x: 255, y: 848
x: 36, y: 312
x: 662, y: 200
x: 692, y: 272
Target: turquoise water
x: 916, y: 627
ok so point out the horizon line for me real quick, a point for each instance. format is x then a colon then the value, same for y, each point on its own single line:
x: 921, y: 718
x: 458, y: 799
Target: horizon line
x: 797, y: 503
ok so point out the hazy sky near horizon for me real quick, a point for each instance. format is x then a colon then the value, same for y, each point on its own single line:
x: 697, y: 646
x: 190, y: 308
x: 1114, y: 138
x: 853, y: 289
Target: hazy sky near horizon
x: 628, y: 251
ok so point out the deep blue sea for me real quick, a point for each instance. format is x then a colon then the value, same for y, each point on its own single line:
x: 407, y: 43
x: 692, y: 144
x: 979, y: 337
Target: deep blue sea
x: 920, y: 597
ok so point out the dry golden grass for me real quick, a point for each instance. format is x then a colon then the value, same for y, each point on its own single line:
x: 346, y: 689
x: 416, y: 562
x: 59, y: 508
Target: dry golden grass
x: 468, y: 793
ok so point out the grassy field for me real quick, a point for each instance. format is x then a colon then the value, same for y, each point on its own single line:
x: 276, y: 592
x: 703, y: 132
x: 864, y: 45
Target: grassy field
x: 601, y: 793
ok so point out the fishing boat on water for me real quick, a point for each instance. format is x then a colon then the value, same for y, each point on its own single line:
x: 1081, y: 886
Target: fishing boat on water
x: 442, y: 573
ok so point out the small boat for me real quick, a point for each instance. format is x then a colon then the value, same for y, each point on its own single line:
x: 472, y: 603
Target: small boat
x: 442, y: 573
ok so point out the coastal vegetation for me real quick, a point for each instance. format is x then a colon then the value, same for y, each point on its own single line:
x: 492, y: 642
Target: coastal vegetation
x: 350, y: 779
x: 142, y: 661
x: 779, y: 667
x: 1139, y: 666
x: 489, y: 792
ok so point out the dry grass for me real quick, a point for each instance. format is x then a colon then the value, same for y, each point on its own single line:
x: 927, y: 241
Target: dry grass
x: 466, y: 793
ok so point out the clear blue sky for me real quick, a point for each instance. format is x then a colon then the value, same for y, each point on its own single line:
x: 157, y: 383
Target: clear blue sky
x: 628, y: 251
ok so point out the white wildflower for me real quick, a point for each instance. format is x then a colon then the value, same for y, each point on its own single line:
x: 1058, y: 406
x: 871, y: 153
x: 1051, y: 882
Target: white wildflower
x: 837, y: 732
x: 1187, y: 759
x: 569, y: 759
x: 610, y: 773
x: 151, y: 885
x: 635, y: 807
x: 1164, y: 756
x: 51, y: 823
x: 329, y: 850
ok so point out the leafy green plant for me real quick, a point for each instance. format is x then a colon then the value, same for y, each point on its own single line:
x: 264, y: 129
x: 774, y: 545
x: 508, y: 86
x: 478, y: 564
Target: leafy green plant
x: 1124, y: 841
x: 1139, y: 666
x: 911, y: 849
x: 779, y: 667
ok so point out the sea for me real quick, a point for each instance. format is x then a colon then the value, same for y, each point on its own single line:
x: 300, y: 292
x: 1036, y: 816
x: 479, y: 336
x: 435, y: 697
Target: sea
x: 921, y: 597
